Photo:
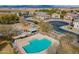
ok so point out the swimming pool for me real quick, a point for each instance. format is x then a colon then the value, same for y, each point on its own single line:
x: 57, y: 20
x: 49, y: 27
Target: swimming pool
x: 36, y: 45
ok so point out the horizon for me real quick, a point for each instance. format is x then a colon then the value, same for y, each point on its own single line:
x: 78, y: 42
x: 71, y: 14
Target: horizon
x: 39, y: 6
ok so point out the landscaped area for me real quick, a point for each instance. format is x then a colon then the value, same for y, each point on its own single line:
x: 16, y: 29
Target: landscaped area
x: 69, y: 28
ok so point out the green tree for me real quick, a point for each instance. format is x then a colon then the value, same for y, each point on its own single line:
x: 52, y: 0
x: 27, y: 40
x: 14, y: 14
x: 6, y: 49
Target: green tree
x: 50, y: 11
x: 9, y: 19
x: 44, y: 26
x: 4, y: 29
x: 63, y: 13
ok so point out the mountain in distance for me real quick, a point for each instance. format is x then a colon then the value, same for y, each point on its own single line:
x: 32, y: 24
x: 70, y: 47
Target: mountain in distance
x: 39, y: 6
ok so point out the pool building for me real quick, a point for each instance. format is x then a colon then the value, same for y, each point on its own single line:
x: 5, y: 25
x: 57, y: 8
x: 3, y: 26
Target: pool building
x: 36, y: 44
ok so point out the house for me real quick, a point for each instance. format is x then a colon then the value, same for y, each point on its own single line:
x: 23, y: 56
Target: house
x: 76, y: 23
x: 70, y: 16
x: 56, y: 16
x: 67, y: 17
x: 32, y: 28
x: 42, y: 15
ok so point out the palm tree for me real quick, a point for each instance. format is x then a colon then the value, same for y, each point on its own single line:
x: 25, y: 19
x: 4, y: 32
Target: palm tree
x: 44, y: 26
x: 71, y: 24
x: 5, y: 31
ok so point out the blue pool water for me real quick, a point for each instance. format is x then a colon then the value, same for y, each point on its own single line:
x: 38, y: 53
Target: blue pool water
x: 37, y: 45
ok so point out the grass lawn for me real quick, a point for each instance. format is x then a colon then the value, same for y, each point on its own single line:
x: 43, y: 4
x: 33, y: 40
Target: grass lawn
x: 69, y: 28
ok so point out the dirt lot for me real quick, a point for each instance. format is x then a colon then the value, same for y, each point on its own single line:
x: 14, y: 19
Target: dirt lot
x: 6, y: 48
x: 68, y: 49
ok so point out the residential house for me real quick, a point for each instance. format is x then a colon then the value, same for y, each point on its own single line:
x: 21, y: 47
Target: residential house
x: 76, y: 23
x: 56, y: 16
x: 70, y: 16
x: 42, y: 15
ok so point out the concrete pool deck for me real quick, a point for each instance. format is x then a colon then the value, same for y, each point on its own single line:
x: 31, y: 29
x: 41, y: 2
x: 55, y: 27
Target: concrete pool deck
x: 19, y: 43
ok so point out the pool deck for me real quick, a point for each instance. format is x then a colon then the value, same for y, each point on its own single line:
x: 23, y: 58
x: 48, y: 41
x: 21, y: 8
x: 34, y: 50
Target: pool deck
x: 19, y: 43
